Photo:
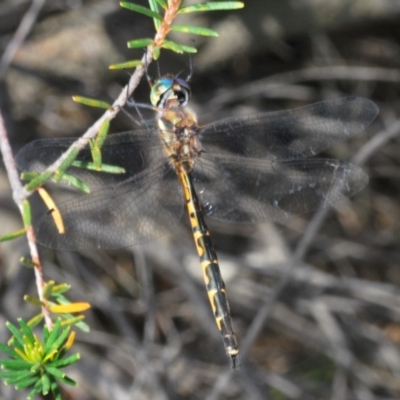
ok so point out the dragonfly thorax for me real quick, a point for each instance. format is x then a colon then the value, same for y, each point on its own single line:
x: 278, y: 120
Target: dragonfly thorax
x: 179, y: 134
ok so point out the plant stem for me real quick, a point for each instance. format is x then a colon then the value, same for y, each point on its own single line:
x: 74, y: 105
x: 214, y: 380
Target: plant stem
x: 19, y: 195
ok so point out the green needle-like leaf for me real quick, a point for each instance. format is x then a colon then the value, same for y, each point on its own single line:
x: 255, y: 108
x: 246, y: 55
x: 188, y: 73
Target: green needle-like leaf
x: 68, y: 381
x: 26, y: 262
x: 154, y: 7
x: 162, y: 3
x: 156, y: 53
x: 65, y: 164
x: 61, y: 288
x: 16, y: 335
x: 15, y: 365
x: 215, y: 6
x: 38, y: 181
x: 34, y: 321
x: 55, y: 371
x: 64, y: 362
x: 126, y: 65
x: 18, y: 377
x: 13, y: 235
x: 35, y: 301
x: 36, y: 367
x: 96, y: 155
x: 139, y: 43
x: 141, y: 10
x: 102, y: 135
x: 195, y: 30
x: 53, y: 335
x: 48, y: 289
x: 29, y: 175
x: 26, y: 383
x: 26, y: 330
x: 178, y: 48
x: 60, y: 340
x: 76, y: 182
x: 9, y: 351
x: 72, y: 321
x: 45, y: 384
x: 111, y: 169
x: 26, y: 213
x: 37, y: 388
x: 91, y: 102
x: 15, y: 376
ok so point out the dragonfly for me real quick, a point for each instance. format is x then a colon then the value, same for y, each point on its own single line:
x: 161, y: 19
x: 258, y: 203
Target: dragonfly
x: 241, y: 169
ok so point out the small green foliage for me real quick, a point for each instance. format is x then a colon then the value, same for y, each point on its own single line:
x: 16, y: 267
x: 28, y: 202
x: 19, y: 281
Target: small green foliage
x: 13, y: 235
x: 66, y: 164
x: 111, y: 169
x: 29, y: 175
x: 154, y: 7
x: 141, y: 10
x: 76, y: 182
x: 38, y: 181
x: 162, y: 3
x: 60, y: 288
x: 96, y: 155
x: 97, y: 143
x: 156, y: 52
x: 26, y: 262
x: 87, y: 101
x: 195, y: 30
x: 33, y: 300
x: 178, y: 48
x: 164, y: 27
x: 37, y: 364
x: 35, y: 321
x: 126, y: 65
x: 26, y: 213
x: 212, y: 6
x: 60, y: 305
x: 48, y: 289
x: 67, y: 317
x: 139, y: 43
x: 56, y: 297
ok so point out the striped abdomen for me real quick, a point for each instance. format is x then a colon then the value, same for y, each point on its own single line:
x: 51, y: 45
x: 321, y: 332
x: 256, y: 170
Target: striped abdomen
x: 209, y: 264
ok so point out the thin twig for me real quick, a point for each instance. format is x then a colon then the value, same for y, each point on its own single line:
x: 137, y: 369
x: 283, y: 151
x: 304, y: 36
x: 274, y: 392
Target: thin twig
x: 20, y: 35
x: 376, y: 142
x: 18, y: 197
x: 332, y: 72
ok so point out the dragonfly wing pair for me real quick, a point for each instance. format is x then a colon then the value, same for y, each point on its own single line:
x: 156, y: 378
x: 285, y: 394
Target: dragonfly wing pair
x: 252, y: 169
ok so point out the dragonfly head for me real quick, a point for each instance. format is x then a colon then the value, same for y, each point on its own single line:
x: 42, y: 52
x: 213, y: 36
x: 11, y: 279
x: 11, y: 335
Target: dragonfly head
x: 169, y: 88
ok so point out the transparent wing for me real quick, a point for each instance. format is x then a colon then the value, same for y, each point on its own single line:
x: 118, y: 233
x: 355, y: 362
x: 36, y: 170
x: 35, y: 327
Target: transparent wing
x: 128, y: 209
x: 135, y: 151
x: 135, y: 211
x: 291, y: 134
x: 238, y: 189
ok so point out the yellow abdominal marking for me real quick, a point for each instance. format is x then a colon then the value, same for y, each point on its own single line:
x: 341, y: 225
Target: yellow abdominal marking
x: 211, y: 294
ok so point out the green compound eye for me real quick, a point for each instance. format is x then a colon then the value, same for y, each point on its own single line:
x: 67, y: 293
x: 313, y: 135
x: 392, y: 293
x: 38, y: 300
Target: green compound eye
x: 159, y: 89
x: 168, y: 88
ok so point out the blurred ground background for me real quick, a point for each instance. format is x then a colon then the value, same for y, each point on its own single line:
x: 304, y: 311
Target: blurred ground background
x: 327, y: 308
